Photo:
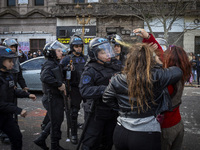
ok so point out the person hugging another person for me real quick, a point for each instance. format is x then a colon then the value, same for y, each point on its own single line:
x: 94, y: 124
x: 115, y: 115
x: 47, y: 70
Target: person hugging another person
x: 172, y: 125
x: 136, y: 94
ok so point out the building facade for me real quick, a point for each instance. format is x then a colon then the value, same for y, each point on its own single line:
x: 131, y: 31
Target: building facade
x: 35, y: 22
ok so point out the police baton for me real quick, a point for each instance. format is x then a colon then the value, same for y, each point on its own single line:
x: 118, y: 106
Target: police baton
x: 86, y: 123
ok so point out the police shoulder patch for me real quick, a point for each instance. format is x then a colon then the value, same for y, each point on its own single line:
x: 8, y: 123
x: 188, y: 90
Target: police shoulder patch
x: 86, y: 79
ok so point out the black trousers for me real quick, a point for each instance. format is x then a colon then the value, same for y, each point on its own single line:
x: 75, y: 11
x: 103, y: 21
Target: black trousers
x: 56, y: 114
x: 99, y: 134
x: 75, y: 97
x: 131, y: 140
x: 10, y: 127
x: 198, y: 76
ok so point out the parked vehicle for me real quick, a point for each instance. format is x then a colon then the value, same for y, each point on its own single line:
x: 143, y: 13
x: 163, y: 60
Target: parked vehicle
x: 31, y: 73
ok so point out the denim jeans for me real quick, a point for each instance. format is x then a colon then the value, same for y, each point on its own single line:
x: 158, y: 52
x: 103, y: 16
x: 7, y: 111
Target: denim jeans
x: 194, y: 73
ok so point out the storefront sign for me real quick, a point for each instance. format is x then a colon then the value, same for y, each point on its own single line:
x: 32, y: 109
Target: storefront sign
x: 66, y: 40
x: 71, y: 30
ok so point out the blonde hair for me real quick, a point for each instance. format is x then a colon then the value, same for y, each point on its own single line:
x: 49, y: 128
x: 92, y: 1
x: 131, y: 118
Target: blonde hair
x: 139, y: 78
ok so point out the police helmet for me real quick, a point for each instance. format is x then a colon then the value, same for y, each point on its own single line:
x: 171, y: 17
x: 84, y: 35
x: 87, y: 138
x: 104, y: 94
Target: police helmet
x: 75, y: 40
x: 114, y: 39
x: 10, y: 42
x: 5, y: 53
x: 49, y: 50
x: 97, y: 44
x: 163, y: 43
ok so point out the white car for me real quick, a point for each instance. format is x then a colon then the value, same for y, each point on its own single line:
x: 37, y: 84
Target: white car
x: 31, y: 72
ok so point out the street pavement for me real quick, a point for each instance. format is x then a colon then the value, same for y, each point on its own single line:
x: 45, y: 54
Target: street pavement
x: 30, y: 126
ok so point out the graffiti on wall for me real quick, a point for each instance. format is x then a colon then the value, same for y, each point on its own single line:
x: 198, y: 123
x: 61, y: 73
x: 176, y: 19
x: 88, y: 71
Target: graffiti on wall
x: 24, y: 46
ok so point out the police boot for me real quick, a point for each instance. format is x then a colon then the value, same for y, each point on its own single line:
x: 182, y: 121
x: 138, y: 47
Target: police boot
x: 84, y: 147
x: 40, y: 141
x: 74, y: 137
x: 55, y: 146
x: 4, y: 138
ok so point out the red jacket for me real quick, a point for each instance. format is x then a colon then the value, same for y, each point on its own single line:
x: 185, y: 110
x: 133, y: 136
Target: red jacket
x: 171, y: 118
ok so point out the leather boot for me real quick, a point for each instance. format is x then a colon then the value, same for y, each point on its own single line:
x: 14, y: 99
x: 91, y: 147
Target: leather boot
x: 4, y: 138
x: 74, y: 137
x: 55, y: 146
x: 41, y: 141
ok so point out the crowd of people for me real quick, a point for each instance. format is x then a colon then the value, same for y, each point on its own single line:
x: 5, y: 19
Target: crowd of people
x: 195, y: 62
x: 131, y: 93
x: 25, y: 56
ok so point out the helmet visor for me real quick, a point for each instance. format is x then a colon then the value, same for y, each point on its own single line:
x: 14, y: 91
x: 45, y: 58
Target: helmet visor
x: 107, y: 49
x: 16, y: 66
x: 10, y: 42
x: 57, y: 45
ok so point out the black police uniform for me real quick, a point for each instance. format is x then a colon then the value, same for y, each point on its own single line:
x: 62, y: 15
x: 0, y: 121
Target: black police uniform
x: 76, y: 98
x: 55, y: 102
x: 7, y: 108
x: 18, y: 78
x: 94, y: 80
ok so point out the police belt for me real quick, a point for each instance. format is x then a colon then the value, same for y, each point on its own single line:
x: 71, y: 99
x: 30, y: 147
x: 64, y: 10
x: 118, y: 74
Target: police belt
x: 135, y: 114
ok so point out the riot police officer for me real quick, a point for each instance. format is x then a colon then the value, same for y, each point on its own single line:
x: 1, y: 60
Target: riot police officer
x: 8, y: 92
x: 94, y: 80
x: 18, y: 78
x: 79, y: 60
x: 17, y: 74
x: 120, y: 50
x: 53, y: 89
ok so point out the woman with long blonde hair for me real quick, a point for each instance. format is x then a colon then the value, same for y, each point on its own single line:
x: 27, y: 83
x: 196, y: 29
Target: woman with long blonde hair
x: 136, y: 94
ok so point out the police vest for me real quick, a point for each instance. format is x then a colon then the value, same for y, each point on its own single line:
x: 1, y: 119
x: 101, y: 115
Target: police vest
x: 7, y: 87
x: 102, y: 111
x: 79, y: 63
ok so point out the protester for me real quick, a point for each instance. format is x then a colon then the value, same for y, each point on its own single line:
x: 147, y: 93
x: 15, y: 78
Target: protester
x: 35, y: 55
x: 30, y: 55
x: 39, y: 53
x: 22, y: 56
x: 8, y: 92
x: 136, y: 94
x: 198, y: 71
x: 172, y: 125
x: 194, y: 68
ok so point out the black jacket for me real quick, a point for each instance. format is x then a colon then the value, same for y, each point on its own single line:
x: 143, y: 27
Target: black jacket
x: 78, y: 63
x: 48, y: 78
x: 94, y: 81
x: 8, y: 95
x: 116, y: 94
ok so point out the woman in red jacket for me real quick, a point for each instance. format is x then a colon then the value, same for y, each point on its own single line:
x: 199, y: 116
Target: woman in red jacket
x: 172, y: 126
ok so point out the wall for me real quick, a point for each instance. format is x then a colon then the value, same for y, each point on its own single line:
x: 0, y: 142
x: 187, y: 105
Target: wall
x: 24, y: 39
x: 189, y: 36
x: 122, y: 23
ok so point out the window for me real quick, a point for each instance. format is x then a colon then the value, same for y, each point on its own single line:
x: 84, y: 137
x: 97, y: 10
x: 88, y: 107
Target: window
x: 62, y: 33
x: 93, y: 1
x: 197, y: 45
x: 79, y: 1
x: 11, y: 3
x: 39, y: 2
x: 37, y: 44
x: 33, y: 64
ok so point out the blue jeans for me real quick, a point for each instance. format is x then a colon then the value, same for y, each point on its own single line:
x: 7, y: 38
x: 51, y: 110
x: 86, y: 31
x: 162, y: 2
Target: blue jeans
x: 194, y: 73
